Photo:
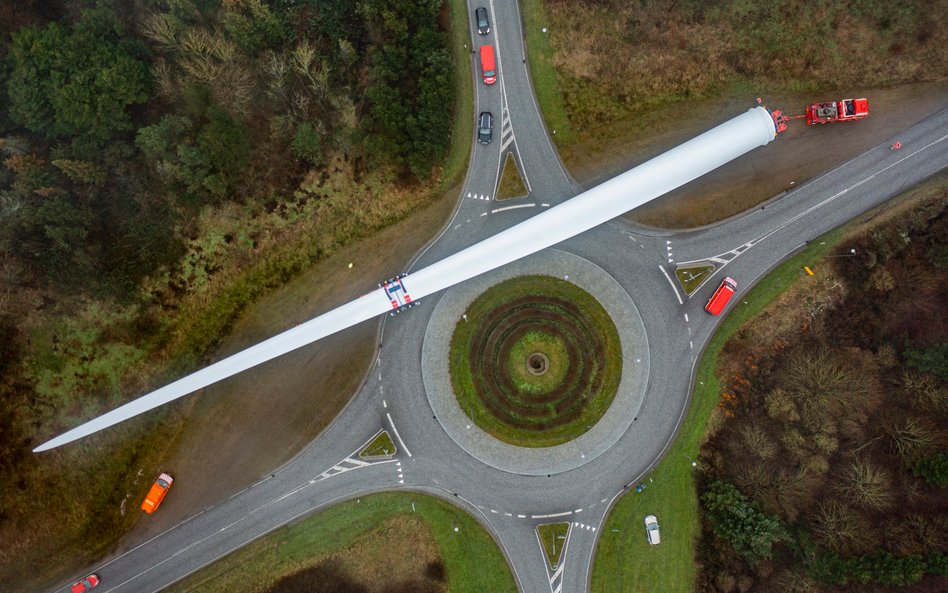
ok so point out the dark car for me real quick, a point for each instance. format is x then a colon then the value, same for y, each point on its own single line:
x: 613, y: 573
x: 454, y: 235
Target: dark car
x: 485, y: 124
x: 483, y: 25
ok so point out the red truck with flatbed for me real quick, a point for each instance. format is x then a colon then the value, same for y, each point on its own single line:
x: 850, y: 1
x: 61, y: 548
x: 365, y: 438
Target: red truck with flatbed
x: 833, y: 111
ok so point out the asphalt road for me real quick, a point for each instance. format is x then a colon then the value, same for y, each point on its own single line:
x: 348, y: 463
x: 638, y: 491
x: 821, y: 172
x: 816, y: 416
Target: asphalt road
x: 642, y: 261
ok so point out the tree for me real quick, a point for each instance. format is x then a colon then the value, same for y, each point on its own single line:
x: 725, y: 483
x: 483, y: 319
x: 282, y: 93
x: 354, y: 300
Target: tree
x: 76, y: 84
x: 252, y: 25
x: 750, y: 532
x: 203, y: 161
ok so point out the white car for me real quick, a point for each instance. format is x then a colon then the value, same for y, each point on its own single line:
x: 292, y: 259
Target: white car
x: 651, y: 529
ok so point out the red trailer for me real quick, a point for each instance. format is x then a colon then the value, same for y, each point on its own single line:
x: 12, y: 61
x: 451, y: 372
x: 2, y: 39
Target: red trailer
x: 833, y: 111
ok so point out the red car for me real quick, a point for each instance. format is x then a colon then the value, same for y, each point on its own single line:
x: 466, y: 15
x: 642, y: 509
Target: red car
x: 85, y: 584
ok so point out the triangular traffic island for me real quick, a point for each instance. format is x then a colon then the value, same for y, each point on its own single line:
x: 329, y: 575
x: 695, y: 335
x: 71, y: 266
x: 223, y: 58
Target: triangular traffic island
x: 692, y: 276
x: 511, y: 182
x: 380, y: 447
x: 553, y: 538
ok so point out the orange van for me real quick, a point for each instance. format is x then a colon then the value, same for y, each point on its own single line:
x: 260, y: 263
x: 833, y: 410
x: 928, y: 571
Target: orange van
x: 488, y: 65
x: 157, y: 493
x: 721, y: 296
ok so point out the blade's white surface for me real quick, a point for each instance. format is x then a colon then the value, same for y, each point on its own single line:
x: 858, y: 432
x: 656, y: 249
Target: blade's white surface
x: 604, y: 202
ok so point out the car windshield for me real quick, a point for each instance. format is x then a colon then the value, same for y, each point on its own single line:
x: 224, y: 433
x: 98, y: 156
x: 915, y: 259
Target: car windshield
x: 162, y: 483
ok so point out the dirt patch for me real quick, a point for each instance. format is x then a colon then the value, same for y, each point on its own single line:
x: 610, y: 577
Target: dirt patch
x: 285, y: 403
x: 369, y: 566
x: 800, y: 153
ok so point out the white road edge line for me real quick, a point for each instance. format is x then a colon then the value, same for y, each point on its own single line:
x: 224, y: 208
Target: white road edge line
x: 496, y: 210
x: 551, y: 516
x: 675, y: 290
x: 398, y: 436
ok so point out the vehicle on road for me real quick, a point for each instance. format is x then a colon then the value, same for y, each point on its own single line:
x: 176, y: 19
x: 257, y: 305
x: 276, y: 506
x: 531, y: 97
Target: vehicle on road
x: 397, y: 294
x: 833, y: 111
x: 651, y: 530
x: 157, y: 493
x: 485, y: 125
x: 483, y: 24
x: 488, y: 64
x: 85, y: 584
x: 721, y: 296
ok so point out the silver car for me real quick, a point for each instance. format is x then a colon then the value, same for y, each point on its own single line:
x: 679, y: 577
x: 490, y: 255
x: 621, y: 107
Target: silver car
x: 651, y: 529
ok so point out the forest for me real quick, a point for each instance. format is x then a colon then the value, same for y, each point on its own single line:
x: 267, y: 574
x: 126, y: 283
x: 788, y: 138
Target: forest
x: 162, y: 162
x: 827, y: 464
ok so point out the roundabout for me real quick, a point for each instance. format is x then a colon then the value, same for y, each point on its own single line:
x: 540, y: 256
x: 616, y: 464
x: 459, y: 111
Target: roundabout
x: 535, y: 361
x: 543, y: 361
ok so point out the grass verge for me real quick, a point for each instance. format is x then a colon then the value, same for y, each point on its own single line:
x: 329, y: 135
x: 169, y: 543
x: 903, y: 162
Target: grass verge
x: 511, y: 182
x: 624, y: 560
x: 381, y: 446
x: 542, y: 71
x: 553, y: 537
x: 455, y: 164
x: 691, y: 278
x: 472, y: 561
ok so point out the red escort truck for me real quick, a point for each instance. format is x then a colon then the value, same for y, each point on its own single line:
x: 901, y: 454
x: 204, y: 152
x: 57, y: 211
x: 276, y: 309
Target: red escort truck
x: 721, y: 296
x: 488, y: 65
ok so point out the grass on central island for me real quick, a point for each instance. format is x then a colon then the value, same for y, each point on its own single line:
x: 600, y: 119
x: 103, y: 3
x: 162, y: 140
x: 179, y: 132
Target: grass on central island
x: 591, y: 401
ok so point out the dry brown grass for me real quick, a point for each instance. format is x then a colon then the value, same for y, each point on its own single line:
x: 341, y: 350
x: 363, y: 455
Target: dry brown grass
x: 616, y: 55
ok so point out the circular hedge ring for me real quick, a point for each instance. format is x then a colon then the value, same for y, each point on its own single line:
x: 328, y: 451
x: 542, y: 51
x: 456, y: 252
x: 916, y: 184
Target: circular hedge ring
x: 535, y: 361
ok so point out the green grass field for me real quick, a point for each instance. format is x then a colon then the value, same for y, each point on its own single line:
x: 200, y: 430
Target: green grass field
x: 472, y: 561
x: 543, y: 72
x: 625, y: 562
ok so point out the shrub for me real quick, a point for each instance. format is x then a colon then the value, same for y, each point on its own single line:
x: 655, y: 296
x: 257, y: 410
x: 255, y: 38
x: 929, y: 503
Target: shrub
x: 307, y: 145
x: 932, y: 360
x: 933, y: 469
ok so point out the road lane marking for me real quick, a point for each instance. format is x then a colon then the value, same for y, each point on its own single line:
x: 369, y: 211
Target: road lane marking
x: 496, y: 210
x: 674, y: 289
x: 551, y: 515
x: 398, y: 436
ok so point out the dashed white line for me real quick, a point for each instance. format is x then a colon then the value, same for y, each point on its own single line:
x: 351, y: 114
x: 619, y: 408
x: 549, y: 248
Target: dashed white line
x: 686, y: 317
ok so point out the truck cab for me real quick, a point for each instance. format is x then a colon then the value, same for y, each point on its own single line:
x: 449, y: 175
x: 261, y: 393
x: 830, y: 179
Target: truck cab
x: 721, y: 296
x: 157, y: 493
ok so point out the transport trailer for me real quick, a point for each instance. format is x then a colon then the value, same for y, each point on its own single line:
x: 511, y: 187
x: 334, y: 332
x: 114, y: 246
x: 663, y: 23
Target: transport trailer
x: 397, y: 294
